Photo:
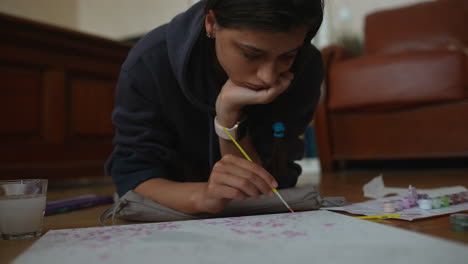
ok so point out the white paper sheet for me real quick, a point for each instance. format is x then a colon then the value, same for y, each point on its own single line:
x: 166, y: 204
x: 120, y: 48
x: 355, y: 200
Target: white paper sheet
x: 307, y: 237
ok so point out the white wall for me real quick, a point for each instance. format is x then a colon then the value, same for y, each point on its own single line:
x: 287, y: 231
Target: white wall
x: 119, y: 19
x: 56, y: 12
x: 115, y: 19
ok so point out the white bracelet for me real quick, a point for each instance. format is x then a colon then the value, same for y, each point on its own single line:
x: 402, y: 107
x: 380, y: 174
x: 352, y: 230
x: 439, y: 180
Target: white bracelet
x: 220, y: 130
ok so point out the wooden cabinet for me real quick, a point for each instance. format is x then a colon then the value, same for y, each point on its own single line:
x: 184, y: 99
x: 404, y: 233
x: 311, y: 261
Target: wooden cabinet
x: 56, y: 98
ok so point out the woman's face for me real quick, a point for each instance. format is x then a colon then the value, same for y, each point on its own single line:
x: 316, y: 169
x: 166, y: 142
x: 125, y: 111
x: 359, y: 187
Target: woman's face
x: 255, y: 59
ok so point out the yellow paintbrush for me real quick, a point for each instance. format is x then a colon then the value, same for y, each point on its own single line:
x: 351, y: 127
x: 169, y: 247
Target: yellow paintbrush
x: 379, y: 216
x: 249, y: 159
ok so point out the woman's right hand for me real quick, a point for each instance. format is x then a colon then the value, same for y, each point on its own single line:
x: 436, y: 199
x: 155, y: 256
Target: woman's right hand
x: 234, y: 178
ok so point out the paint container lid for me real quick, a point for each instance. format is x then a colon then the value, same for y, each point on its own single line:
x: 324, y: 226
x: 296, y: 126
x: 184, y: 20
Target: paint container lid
x: 389, y: 207
x: 425, y: 204
x: 459, y: 222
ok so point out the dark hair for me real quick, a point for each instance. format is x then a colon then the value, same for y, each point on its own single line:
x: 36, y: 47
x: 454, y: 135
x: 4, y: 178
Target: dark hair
x: 268, y: 15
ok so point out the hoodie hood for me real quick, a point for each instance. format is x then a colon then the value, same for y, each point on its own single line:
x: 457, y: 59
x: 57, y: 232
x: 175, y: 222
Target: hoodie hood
x: 183, y: 33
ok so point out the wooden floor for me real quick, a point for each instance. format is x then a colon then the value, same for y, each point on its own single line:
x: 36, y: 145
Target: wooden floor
x: 345, y: 183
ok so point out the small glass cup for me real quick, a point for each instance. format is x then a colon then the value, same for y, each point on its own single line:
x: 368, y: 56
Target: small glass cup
x: 22, y: 207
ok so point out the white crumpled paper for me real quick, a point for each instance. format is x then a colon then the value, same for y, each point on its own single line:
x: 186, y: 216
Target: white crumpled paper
x: 376, y: 189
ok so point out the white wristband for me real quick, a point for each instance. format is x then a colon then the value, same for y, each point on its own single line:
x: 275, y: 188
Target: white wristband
x: 220, y: 130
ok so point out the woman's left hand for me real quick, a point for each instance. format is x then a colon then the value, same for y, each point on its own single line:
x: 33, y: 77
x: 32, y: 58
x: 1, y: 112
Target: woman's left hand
x: 234, y: 97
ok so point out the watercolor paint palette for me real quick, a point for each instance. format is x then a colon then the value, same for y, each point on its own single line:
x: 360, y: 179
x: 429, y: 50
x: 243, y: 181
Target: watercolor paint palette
x: 317, y: 236
x: 424, y: 201
x: 412, y: 206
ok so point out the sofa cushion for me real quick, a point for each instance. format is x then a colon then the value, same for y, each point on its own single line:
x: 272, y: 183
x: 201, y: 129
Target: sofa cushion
x: 395, y: 81
x: 424, y: 26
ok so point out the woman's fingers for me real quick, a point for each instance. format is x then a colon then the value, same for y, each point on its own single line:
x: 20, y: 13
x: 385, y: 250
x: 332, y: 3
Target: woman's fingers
x: 252, y: 169
x: 240, y: 183
x: 227, y: 192
x: 251, y: 173
x: 242, y: 175
x: 281, y: 84
x: 250, y: 181
x: 234, y: 96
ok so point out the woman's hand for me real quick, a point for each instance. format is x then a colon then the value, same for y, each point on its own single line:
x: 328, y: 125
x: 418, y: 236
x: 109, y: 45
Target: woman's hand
x: 234, y: 178
x: 234, y: 97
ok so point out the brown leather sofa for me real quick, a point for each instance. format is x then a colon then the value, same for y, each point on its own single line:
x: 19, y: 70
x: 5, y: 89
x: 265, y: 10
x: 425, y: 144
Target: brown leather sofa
x: 406, y: 97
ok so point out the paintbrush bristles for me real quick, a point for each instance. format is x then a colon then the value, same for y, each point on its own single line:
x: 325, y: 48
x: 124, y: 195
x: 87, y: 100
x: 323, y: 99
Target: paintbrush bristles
x: 281, y: 198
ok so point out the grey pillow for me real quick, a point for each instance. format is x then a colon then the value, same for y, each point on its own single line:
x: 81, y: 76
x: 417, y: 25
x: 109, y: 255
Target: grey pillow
x: 135, y: 207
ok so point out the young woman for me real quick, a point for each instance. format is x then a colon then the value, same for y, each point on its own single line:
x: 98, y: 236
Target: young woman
x: 238, y: 64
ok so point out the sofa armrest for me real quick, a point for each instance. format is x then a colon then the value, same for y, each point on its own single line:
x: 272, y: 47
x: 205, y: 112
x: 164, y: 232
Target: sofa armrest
x: 395, y: 81
x: 334, y: 53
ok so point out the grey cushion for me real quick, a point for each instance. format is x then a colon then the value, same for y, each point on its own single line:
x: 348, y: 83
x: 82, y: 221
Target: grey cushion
x: 135, y: 207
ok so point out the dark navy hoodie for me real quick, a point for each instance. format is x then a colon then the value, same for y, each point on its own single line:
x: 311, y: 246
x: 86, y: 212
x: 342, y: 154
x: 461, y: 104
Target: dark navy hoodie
x: 165, y: 100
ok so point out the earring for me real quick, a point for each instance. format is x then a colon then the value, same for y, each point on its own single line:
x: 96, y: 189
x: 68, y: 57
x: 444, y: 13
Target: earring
x: 208, y: 34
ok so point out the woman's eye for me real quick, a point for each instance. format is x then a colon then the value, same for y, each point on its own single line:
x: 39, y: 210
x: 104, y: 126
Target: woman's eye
x: 252, y: 56
x: 288, y: 57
